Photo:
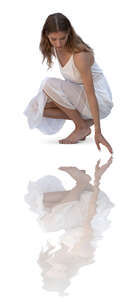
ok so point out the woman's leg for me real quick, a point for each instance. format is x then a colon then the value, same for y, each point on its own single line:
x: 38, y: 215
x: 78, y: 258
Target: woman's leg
x: 82, y: 127
x: 55, y: 113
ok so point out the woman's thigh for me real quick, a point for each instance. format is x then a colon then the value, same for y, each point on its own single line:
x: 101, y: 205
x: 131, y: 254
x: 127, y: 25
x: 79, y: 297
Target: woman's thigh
x: 50, y: 104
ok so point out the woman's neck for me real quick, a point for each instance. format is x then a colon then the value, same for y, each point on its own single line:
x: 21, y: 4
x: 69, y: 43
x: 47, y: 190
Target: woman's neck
x: 62, y: 51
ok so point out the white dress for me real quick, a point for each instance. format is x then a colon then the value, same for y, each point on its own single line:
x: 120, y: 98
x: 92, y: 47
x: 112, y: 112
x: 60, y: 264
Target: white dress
x: 70, y: 93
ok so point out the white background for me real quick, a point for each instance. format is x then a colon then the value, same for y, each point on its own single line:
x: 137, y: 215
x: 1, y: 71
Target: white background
x: 112, y: 29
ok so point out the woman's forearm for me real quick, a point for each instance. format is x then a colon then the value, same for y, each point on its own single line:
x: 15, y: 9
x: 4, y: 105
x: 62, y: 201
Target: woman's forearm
x: 94, y: 108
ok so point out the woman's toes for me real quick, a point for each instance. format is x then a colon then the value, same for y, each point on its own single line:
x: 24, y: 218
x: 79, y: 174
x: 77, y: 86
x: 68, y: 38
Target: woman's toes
x: 60, y: 141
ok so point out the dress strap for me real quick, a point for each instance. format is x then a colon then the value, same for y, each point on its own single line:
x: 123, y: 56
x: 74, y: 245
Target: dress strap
x: 55, y: 51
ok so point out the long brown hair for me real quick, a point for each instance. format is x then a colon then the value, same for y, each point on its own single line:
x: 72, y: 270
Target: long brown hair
x: 55, y: 23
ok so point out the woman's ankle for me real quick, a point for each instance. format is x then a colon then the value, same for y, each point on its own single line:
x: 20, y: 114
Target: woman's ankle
x: 83, y: 125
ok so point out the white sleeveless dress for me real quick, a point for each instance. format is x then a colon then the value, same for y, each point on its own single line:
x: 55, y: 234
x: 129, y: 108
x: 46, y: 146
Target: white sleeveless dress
x: 70, y: 93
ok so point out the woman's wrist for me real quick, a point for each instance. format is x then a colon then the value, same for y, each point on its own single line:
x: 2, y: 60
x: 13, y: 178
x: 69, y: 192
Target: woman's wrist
x: 97, y: 127
x: 97, y: 130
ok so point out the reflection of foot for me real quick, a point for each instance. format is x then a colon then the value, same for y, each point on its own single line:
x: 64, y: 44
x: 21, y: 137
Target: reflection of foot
x: 77, y: 135
x: 79, y: 175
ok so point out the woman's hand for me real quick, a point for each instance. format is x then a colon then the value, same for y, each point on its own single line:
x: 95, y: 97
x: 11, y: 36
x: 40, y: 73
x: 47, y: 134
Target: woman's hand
x: 100, y: 139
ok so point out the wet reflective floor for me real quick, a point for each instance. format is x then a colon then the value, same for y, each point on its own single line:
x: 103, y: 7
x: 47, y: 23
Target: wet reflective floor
x: 74, y: 221
x: 70, y: 217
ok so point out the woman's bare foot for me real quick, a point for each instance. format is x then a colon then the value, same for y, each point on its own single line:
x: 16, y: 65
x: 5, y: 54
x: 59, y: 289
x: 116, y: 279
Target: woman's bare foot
x: 77, y: 135
x: 89, y: 122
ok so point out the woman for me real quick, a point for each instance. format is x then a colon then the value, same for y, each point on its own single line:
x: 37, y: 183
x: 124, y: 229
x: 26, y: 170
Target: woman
x: 83, y: 97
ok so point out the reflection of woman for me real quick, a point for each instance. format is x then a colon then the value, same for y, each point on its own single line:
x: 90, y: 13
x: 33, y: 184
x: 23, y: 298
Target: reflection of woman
x: 82, y: 212
x: 83, y: 97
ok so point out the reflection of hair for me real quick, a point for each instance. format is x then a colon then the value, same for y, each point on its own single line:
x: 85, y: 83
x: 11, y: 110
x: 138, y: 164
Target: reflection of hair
x: 55, y: 23
x: 59, y: 266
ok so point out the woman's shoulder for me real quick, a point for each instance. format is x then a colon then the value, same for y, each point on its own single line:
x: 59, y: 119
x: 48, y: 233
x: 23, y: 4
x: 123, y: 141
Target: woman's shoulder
x: 86, y: 56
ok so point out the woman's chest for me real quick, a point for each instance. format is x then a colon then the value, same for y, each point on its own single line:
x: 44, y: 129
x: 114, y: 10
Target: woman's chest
x: 70, y: 72
x: 64, y: 59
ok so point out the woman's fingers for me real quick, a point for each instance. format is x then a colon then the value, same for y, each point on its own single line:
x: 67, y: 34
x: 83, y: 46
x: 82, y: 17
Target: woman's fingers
x: 105, y: 143
x: 97, y: 141
x: 108, y: 146
x: 100, y: 139
x: 98, y: 146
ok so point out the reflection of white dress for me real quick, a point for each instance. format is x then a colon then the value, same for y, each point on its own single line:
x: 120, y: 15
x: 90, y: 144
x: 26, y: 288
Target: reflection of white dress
x: 69, y: 93
x: 70, y: 215
x: 75, y: 248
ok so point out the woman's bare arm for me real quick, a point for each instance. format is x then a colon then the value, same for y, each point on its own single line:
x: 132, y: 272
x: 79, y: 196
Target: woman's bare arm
x: 83, y: 64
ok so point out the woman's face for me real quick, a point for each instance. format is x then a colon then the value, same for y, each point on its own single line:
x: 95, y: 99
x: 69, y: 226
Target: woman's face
x: 58, y: 39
